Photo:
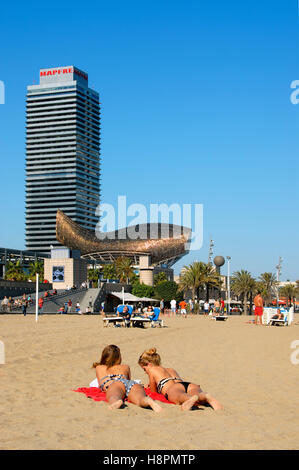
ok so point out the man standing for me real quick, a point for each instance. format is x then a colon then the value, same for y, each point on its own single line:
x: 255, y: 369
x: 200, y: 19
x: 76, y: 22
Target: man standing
x: 162, y: 306
x: 258, y: 308
x: 24, y: 304
x: 183, y: 306
x: 173, y: 306
x: 4, y: 304
x: 40, y: 305
x: 206, y: 308
x: 217, y: 307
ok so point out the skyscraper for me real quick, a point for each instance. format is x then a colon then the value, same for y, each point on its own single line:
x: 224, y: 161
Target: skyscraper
x: 62, y: 154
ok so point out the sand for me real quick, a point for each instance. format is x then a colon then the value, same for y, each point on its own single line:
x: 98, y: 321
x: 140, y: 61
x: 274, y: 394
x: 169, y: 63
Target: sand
x: 246, y: 367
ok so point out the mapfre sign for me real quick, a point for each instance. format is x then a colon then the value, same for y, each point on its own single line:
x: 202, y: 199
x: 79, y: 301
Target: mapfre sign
x: 62, y: 71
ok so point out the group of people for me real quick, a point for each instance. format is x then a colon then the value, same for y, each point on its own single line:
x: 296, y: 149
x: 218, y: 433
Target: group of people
x: 114, y: 378
x: 126, y: 312
x: 9, y: 303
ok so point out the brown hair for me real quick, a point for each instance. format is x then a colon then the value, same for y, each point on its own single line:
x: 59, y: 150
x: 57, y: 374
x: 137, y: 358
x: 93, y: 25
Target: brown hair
x: 110, y: 356
x: 150, y: 356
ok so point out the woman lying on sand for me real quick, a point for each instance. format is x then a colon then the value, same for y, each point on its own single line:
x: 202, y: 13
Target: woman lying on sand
x: 168, y: 382
x: 115, y: 379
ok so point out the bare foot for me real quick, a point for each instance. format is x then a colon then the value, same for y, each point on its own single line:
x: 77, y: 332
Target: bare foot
x: 213, y: 403
x: 154, y: 405
x: 115, y: 405
x: 187, y: 405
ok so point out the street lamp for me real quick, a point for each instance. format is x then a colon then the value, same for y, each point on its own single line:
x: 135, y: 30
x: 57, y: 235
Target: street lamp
x: 228, y: 284
x: 278, y: 267
x: 211, y: 251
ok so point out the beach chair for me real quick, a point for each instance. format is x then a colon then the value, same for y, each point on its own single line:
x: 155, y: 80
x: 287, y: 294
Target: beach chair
x: 155, y: 318
x: 120, y: 310
x: 268, y: 313
x: 115, y: 319
x: 286, y: 320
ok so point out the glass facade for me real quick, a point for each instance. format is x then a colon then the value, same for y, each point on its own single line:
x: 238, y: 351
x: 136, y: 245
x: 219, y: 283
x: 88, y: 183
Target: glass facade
x: 62, y: 155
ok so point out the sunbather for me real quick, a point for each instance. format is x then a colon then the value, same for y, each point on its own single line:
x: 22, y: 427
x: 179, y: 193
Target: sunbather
x: 168, y: 382
x: 114, y: 378
x: 278, y: 316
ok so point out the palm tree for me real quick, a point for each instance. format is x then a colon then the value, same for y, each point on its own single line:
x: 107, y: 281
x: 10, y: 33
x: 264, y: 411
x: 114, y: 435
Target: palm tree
x: 124, y: 269
x: 14, y: 271
x: 212, y: 279
x: 109, y: 271
x: 289, y: 291
x: 243, y: 283
x: 197, y: 275
x: 36, y: 267
x: 93, y: 275
x: 267, y: 284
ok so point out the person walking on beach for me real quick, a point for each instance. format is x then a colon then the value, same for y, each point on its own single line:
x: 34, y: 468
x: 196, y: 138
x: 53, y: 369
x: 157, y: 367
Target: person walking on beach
x: 115, y: 380
x: 40, y: 305
x: 169, y: 383
x: 258, y: 308
x: 24, y: 304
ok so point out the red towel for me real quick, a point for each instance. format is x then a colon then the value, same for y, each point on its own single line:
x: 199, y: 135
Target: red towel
x: 97, y: 395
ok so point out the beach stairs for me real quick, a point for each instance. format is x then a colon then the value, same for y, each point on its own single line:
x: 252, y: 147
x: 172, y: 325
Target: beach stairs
x: 53, y: 304
x: 90, y: 297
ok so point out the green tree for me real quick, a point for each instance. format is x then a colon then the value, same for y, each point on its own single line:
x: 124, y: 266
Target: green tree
x: 142, y: 290
x: 160, y: 277
x: 242, y: 283
x: 124, y: 269
x: 36, y: 267
x: 168, y: 290
x: 93, y: 276
x: 267, y: 283
x: 14, y: 271
x: 198, y: 275
x: 109, y: 271
x: 289, y: 291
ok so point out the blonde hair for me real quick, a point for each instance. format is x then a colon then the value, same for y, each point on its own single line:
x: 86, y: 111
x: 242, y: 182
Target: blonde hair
x: 150, y: 357
x: 110, y: 356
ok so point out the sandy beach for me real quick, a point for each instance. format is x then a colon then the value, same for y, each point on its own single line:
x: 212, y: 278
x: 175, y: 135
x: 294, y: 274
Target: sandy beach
x: 246, y: 367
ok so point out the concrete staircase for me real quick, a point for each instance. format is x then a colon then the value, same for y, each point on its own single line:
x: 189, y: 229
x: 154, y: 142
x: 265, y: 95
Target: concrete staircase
x: 91, y: 295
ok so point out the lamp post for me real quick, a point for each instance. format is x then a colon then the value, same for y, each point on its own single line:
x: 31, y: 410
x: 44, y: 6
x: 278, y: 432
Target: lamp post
x: 228, y: 284
x: 211, y: 251
x: 278, y: 267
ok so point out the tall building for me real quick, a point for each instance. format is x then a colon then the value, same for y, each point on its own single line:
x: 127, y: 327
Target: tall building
x: 62, y: 154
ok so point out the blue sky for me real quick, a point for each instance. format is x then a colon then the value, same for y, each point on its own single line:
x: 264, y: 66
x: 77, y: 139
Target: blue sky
x: 195, y: 109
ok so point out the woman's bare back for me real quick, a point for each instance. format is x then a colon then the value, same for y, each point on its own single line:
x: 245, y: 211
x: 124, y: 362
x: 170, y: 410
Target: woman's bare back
x: 120, y: 369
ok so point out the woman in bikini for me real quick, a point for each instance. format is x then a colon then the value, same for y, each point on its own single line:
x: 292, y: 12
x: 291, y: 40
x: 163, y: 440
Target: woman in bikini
x: 168, y: 382
x: 114, y: 378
